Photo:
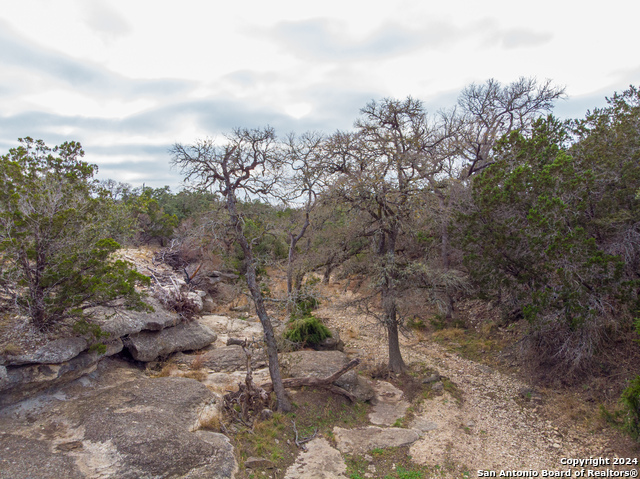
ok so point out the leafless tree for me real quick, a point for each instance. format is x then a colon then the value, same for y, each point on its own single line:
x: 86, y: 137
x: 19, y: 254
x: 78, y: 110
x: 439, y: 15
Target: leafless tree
x: 247, y: 163
x: 492, y: 110
x: 305, y: 154
x: 381, y: 169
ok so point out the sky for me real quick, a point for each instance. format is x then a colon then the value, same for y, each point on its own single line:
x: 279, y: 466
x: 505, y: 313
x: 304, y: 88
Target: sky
x: 129, y: 78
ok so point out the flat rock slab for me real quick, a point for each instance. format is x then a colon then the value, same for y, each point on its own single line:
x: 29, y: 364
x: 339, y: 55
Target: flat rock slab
x: 150, y: 345
x: 227, y: 327
x: 319, y: 461
x: 223, y: 359
x: 131, y: 322
x: 362, y: 440
x: 142, y: 428
x: 57, y: 351
x: 388, y: 404
x: 321, y: 364
x: 20, y: 382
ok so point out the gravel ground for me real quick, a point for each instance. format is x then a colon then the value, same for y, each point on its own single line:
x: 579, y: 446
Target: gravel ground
x: 501, y: 423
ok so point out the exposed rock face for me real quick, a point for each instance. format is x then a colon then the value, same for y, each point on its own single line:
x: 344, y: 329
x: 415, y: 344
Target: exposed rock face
x: 319, y: 461
x: 361, y: 440
x: 321, y: 364
x: 57, y: 351
x: 149, y: 345
x: 23, y: 381
x: 224, y: 359
x: 139, y: 428
x: 131, y: 322
x: 233, y: 327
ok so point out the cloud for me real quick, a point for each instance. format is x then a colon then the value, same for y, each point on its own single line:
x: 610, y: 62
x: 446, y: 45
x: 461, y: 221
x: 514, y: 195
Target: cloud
x: 325, y: 39
x: 18, y: 52
x: 512, y: 38
x: 105, y: 21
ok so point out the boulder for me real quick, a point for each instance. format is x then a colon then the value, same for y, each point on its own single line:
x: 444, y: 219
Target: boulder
x: 321, y: 364
x: 149, y: 345
x: 388, y: 404
x: 23, y: 381
x: 334, y: 343
x: 57, y: 351
x: 223, y: 359
x: 131, y: 322
x: 138, y: 429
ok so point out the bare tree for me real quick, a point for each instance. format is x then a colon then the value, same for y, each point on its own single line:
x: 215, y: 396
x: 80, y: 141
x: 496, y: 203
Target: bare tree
x: 380, y: 167
x: 305, y: 154
x: 492, y: 110
x: 248, y: 163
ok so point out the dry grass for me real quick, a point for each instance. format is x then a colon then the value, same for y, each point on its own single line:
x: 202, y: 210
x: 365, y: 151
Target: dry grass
x: 197, y: 375
x: 211, y: 423
x: 198, y: 361
x: 451, y: 334
x: 167, y: 371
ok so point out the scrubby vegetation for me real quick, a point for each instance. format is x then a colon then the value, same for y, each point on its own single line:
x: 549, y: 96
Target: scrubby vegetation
x: 496, y: 200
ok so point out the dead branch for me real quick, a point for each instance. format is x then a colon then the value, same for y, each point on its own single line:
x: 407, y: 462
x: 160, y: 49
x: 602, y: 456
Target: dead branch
x: 300, y: 442
x: 325, y: 383
x: 249, y: 396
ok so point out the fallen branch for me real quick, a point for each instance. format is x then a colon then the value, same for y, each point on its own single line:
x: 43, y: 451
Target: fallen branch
x: 325, y: 383
x: 300, y: 442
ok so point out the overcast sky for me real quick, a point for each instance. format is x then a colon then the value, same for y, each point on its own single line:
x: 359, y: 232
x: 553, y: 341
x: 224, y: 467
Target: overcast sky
x: 128, y: 78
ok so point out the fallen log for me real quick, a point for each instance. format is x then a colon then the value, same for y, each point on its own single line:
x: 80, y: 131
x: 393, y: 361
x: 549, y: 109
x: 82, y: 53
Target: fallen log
x: 325, y: 383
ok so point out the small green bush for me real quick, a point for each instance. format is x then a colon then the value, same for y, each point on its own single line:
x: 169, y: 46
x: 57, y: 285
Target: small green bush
x: 308, y: 330
x: 630, y: 400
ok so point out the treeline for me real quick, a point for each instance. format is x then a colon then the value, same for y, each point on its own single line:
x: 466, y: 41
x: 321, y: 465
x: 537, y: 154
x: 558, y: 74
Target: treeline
x: 493, y: 198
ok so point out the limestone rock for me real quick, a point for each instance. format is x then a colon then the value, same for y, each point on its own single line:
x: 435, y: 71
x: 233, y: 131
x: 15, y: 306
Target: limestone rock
x: 334, y: 343
x: 22, y: 381
x: 319, y: 461
x: 137, y: 429
x: 388, y: 404
x: 131, y: 322
x: 149, y: 345
x: 362, y: 440
x: 57, y: 351
x: 224, y: 359
x: 227, y: 327
x: 321, y: 364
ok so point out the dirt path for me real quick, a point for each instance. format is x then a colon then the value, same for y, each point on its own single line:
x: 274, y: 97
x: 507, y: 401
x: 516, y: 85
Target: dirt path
x: 498, y: 425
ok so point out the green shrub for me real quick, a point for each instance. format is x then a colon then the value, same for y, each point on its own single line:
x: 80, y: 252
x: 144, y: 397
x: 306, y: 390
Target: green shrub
x: 308, y: 330
x: 630, y: 400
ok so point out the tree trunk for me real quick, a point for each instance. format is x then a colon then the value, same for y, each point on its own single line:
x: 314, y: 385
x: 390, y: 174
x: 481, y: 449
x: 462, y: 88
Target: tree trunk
x: 444, y: 253
x: 396, y: 363
x: 272, y: 347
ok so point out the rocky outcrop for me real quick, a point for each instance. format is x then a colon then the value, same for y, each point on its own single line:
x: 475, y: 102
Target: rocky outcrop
x: 321, y: 364
x: 147, y: 335
x: 130, y: 322
x: 223, y: 359
x: 145, y: 427
x: 20, y: 382
x: 150, y: 345
x: 57, y: 351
